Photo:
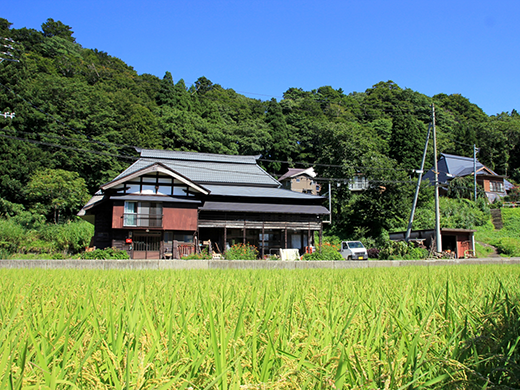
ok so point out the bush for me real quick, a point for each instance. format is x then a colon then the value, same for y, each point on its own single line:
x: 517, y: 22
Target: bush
x: 508, y: 246
x: 241, y: 252
x: 373, y: 253
x: 416, y: 254
x: 401, y: 250
x: 105, y: 254
x: 203, y: 255
x: 328, y: 252
x: 71, y: 237
x: 12, y: 236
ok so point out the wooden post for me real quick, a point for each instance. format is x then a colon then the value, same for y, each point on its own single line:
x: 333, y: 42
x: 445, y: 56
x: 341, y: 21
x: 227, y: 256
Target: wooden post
x: 244, y: 235
x: 225, y: 240
x: 309, y: 235
x: 285, y: 236
x: 321, y: 235
x: 263, y: 240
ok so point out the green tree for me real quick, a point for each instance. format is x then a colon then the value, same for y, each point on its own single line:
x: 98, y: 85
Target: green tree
x: 56, y: 193
x: 57, y: 29
x: 407, y: 140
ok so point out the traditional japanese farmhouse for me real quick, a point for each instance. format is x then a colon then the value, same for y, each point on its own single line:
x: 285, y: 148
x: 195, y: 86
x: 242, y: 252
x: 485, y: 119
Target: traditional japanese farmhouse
x: 167, y: 204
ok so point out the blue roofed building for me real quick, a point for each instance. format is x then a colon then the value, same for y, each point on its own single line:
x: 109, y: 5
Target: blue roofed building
x: 451, y: 166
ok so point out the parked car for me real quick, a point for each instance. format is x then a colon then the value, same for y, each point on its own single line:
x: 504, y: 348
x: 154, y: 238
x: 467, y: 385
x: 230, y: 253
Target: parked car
x: 353, y: 250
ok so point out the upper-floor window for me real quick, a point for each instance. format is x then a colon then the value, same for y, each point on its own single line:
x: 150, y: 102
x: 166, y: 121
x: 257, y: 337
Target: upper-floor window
x: 155, y: 185
x: 143, y: 214
x: 496, y: 186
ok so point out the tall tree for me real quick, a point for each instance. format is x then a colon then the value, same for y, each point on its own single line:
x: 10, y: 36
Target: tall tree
x: 407, y: 140
x: 57, y: 194
x: 57, y: 29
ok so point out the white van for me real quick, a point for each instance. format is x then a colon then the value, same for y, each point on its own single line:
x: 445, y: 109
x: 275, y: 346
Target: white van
x: 353, y: 250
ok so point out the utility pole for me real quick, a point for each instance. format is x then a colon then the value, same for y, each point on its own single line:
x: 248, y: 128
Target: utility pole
x: 475, y: 170
x: 421, y: 171
x: 436, y: 183
x: 330, y: 203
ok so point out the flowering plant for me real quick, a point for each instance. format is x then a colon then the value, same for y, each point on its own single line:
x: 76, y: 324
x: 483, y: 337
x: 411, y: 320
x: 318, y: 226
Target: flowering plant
x: 241, y: 252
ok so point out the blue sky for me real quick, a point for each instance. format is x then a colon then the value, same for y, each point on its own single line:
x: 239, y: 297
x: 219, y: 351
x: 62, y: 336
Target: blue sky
x: 263, y: 48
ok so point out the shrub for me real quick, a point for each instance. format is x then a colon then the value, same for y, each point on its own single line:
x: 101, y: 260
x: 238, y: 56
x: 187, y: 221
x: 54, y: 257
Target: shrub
x: 394, y: 250
x: 416, y: 254
x: 328, y: 252
x: 203, y: 255
x: 71, y: 237
x: 105, y: 254
x: 373, y: 253
x: 241, y: 252
x: 508, y: 246
x: 401, y: 250
x: 11, y: 236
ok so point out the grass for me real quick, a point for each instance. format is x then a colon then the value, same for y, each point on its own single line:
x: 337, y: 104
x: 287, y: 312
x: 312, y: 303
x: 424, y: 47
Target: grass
x: 506, y: 239
x: 442, y: 327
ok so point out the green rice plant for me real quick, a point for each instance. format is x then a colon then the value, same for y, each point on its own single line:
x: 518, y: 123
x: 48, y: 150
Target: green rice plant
x: 395, y: 328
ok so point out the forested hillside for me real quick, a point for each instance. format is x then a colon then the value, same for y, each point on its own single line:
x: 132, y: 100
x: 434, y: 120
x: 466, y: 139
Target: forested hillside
x: 80, y: 112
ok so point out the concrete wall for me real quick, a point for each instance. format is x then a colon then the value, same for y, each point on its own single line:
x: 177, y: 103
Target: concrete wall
x: 239, y: 264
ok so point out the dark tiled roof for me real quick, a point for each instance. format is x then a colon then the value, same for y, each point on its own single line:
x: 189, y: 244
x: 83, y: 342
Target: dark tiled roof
x: 265, y: 208
x: 260, y: 192
x: 203, y: 168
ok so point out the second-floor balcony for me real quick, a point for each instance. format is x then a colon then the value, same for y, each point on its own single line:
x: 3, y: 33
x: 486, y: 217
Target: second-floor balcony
x: 142, y: 220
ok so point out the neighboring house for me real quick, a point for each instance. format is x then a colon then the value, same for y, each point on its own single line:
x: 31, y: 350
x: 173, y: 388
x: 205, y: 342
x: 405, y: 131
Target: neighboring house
x: 451, y: 166
x: 303, y: 180
x: 300, y: 180
x: 169, y: 203
x: 358, y: 183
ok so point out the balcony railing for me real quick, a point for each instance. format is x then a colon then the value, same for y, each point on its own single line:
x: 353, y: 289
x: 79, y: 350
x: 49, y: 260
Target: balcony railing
x: 142, y: 220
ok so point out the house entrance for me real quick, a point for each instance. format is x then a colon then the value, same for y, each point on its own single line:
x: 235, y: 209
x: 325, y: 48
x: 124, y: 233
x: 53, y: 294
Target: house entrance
x: 147, y: 246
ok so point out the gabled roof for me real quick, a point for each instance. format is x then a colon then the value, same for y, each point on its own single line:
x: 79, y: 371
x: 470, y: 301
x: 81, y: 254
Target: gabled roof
x: 292, y: 172
x: 206, y: 168
x: 462, y: 166
x: 451, y: 166
x: 153, y: 167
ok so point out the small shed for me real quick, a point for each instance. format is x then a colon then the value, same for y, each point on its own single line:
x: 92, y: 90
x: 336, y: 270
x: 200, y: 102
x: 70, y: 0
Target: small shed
x: 458, y: 241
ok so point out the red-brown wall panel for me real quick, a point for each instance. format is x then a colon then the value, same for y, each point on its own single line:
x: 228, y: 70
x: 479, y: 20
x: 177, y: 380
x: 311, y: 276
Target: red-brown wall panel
x: 117, y: 215
x: 173, y: 218
x: 180, y: 219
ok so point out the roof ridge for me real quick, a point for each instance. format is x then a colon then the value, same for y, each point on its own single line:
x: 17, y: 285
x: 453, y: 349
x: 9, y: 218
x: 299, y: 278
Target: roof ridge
x: 197, y: 156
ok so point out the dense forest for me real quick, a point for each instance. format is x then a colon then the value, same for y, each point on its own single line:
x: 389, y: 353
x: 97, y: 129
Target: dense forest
x: 80, y: 112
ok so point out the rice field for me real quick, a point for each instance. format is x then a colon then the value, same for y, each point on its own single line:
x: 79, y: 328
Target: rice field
x: 411, y: 327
